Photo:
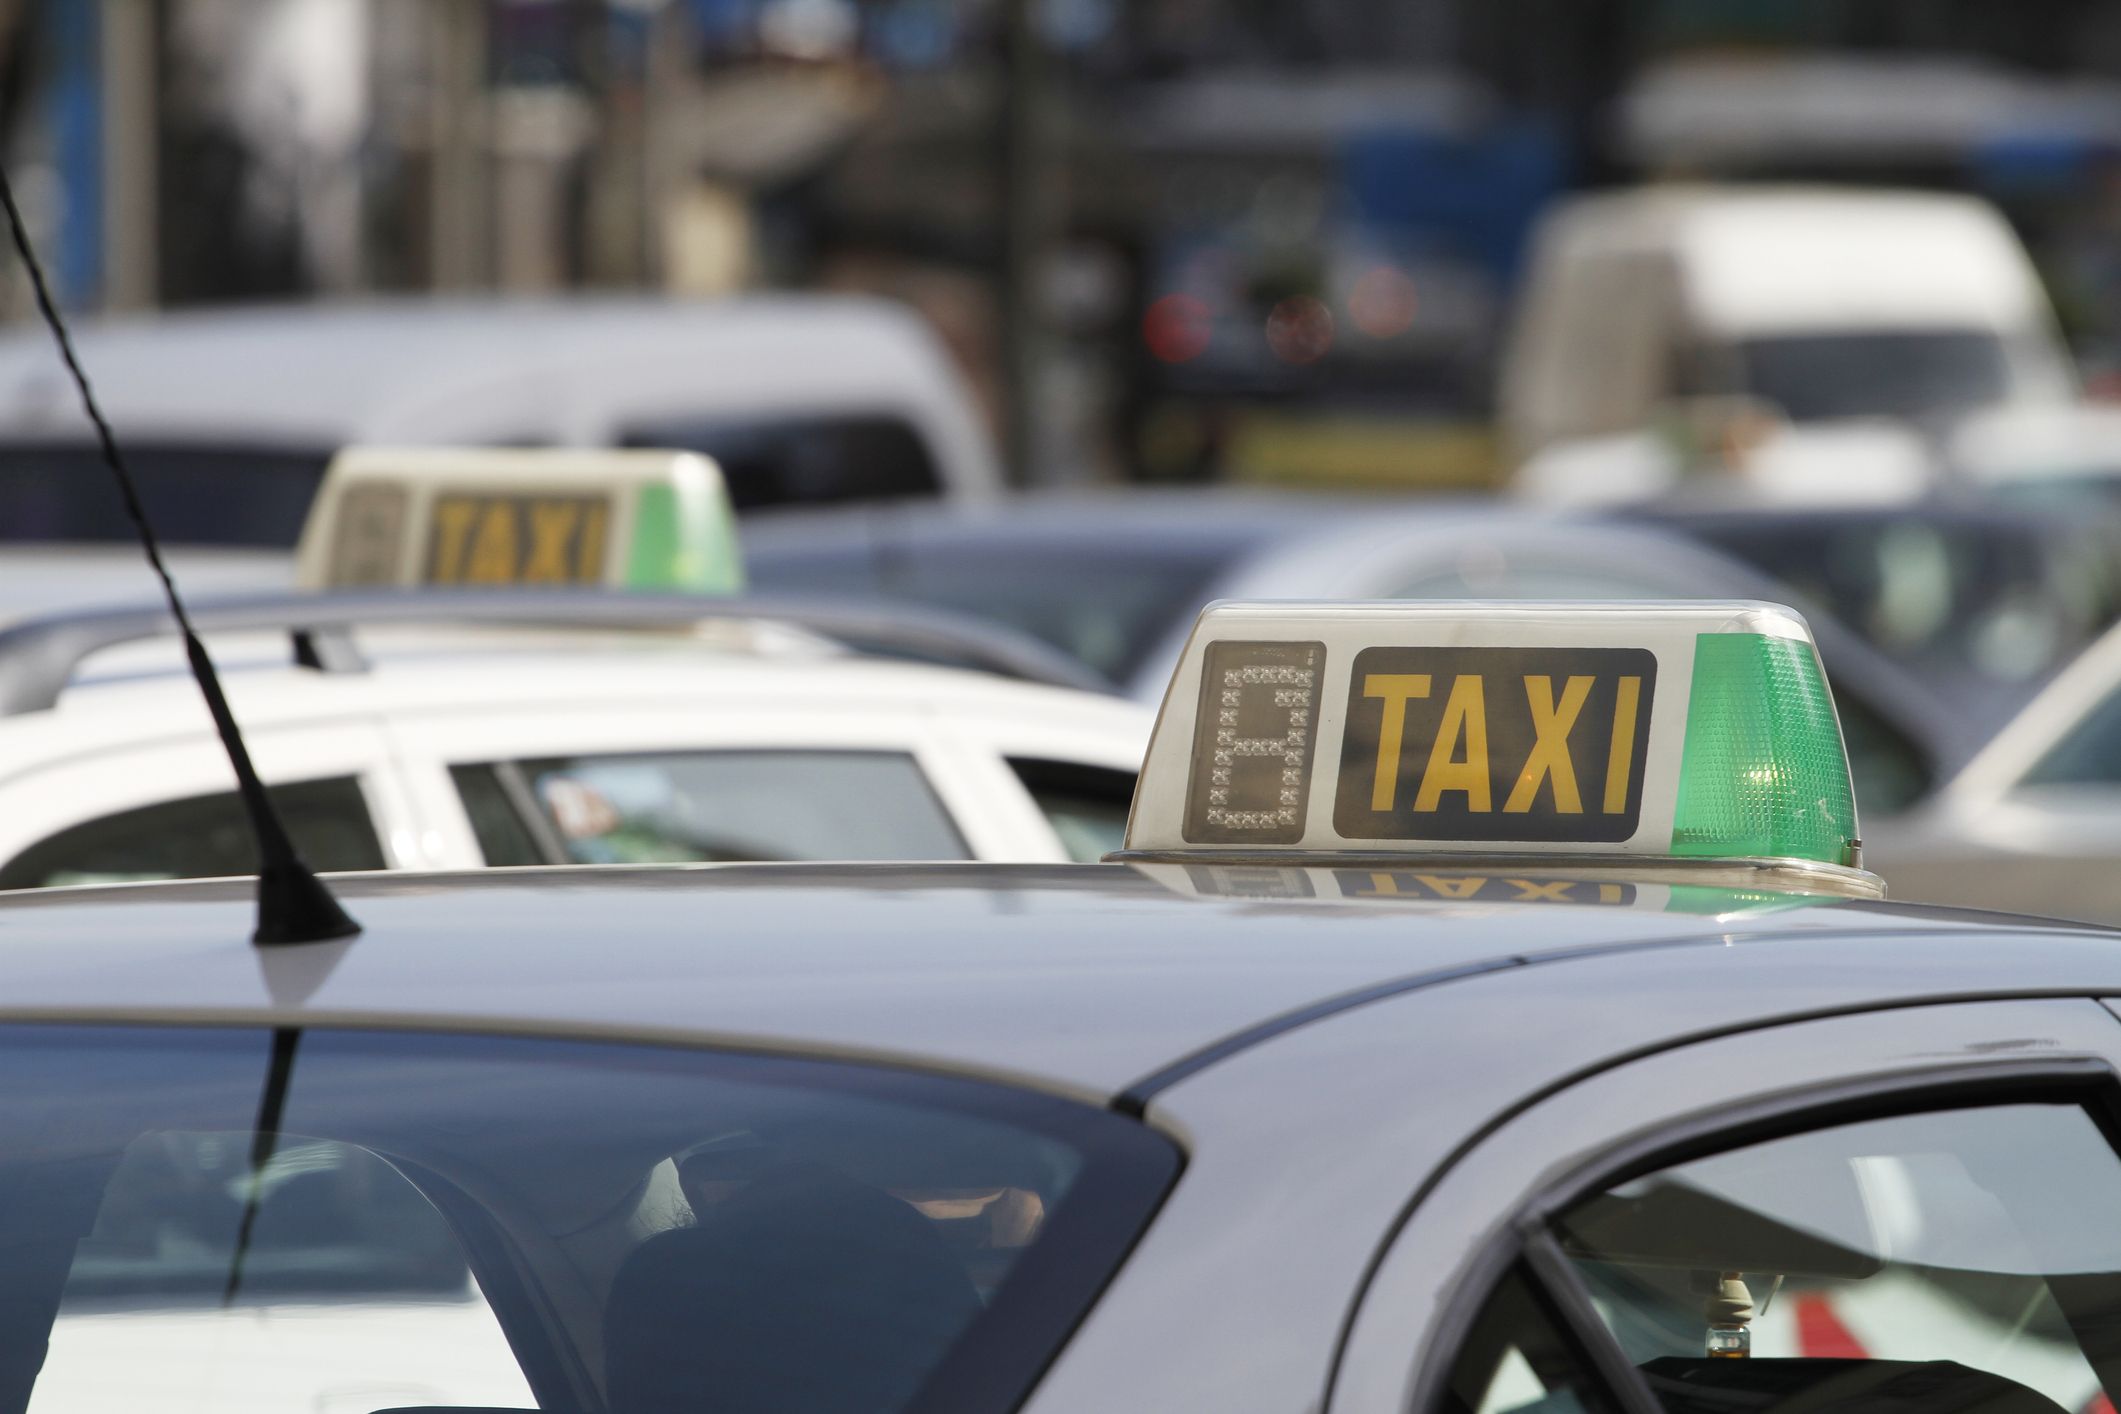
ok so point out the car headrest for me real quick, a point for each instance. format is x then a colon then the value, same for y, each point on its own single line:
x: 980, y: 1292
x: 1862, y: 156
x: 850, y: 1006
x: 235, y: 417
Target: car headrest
x: 803, y: 1291
x: 1705, y: 1385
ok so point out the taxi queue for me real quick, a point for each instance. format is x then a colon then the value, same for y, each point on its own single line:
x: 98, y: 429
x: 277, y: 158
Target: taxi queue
x: 1487, y: 1010
x: 1472, y: 1007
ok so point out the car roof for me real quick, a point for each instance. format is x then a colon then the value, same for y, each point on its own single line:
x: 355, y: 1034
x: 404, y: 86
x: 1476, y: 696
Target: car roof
x: 1084, y: 979
x: 148, y: 692
x: 559, y: 369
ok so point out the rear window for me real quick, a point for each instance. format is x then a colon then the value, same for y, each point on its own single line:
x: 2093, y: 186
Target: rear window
x: 803, y: 460
x: 194, y: 495
x: 424, y: 1220
x: 1108, y: 605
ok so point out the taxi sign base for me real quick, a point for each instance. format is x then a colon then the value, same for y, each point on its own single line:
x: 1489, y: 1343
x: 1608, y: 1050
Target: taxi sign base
x: 1793, y: 876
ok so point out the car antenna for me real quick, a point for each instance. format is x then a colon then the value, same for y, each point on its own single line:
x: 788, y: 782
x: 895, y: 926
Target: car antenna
x: 294, y: 906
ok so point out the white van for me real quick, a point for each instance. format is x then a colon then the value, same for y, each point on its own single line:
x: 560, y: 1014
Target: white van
x: 1819, y: 304
x: 228, y: 417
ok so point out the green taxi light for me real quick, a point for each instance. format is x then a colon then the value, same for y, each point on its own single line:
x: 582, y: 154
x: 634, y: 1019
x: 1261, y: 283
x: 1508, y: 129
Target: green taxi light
x: 684, y: 537
x: 524, y: 517
x: 1763, y: 773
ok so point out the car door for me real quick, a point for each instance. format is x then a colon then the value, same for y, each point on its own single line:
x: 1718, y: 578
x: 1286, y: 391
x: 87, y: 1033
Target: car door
x: 1921, y: 1205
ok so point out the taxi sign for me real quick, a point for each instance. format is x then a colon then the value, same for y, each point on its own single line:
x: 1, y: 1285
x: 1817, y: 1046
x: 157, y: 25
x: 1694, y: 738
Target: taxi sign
x: 495, y: 517
x: 1674, y: 731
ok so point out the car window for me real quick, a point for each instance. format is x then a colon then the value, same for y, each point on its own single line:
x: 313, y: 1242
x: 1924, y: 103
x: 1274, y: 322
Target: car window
x: 195, y: 495
x: 491, y: 796
x: 1957, y: 1260
x: 1890, y: 772
x: 1516, y: 1358
x: 1111, y: 606
x: 202, y: 837
x: 689, y: 806
x: 1909, y: 373
x: 2088, y: 754
x: 518, y: 1223
x: 1086, y: 805
x: 802, y: 460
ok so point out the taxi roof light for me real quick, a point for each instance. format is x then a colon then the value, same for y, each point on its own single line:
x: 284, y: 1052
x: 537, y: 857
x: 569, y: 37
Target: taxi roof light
x: 501, y: 517
x: 1691, y: 734
x: 1764, y: 772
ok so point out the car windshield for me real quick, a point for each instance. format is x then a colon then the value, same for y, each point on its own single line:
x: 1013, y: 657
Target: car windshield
x: 1104, y: 603
x: 1913, y: 373
x: 195, y: 494
x: 421, y: 1220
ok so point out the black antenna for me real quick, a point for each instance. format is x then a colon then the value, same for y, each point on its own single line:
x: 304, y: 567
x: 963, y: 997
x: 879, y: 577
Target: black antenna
x: 293, y: 904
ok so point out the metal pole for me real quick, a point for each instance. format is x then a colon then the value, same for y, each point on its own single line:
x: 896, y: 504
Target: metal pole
x: 457, y: 236
x: 131, y: 169
x: 1025, y: 176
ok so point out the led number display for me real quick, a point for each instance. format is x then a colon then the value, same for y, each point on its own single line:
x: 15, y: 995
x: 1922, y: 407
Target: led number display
x: 1252, y: 743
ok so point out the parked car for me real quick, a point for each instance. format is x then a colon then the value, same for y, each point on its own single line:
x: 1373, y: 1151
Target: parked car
x: 1115, y: 579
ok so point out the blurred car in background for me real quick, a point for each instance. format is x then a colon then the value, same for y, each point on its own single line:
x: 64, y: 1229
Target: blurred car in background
x: 1116, y: 580
x: 229, y: 417
x: 1820, y: 304
x: 1733, y: 449
x: 452, y: 730
x: 2033, y: 821
x: 2067, y: 459
x: 1983, y: 602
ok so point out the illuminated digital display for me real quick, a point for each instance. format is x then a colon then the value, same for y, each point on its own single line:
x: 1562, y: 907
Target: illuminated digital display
x: 1252, y: 743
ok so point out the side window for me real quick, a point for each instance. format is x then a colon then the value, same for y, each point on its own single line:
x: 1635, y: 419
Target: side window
x: 1516, y: 1361
x: 493, y: 797
x: 1890, y: 771
x: 1966, y: 1259
x: 1086, y: 805
x: 203, y: 836
x: 737, y: 805
x: 2089, y: 755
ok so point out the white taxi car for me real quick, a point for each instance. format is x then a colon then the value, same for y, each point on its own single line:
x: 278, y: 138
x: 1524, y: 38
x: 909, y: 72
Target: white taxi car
x: 1486, y: 1015
x: 422, y: 732
x: 509, y: 657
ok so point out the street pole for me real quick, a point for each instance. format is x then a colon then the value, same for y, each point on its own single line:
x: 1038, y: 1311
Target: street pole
x: 131, y: 166
x: 1026, y: 179
x: 458, y: 254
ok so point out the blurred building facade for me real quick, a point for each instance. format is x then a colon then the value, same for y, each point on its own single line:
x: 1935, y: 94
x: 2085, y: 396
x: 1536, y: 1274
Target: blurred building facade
x: 1166, y: 237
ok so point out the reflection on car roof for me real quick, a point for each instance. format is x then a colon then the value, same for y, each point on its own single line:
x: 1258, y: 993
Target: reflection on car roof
x: 1082, y: 978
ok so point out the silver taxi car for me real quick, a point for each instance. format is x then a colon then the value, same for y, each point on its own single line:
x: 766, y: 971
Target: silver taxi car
x: 1347, y: 1087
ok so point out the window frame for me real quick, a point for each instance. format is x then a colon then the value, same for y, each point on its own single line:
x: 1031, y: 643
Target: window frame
x: 1911, y: 1060
x: 2086, y: 1086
